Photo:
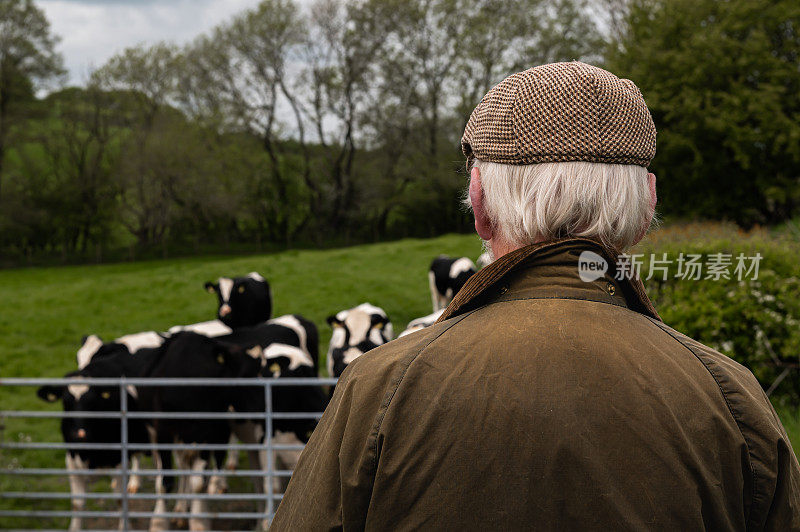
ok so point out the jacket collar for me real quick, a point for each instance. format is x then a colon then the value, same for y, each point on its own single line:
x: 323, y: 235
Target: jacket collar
x: 550, y: 270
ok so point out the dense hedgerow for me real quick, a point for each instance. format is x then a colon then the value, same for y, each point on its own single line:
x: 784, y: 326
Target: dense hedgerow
x: 754, y: 321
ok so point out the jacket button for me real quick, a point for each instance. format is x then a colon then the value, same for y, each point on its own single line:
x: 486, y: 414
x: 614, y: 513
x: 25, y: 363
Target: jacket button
x: 503, y: 290
x: 611, y: 289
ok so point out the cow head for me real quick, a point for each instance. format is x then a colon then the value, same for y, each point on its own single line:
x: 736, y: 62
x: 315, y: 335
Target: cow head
x: 356, y: 331
x: 78, y: 396
x: 243, y: 301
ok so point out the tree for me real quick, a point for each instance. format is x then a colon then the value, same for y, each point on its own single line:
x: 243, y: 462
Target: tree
x: 27, y: 58
x: 82, y: 149
x: 243, y: 66
x: 722, y: 82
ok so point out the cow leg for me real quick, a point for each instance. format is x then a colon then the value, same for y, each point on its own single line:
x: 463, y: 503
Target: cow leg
x: 197, y: 484
x: 77, y: 486
x: 218, y: 484
x: 116, y: 485
x: 134, y: 481
x: 233, y: 456
x: 287, y: 459
x: 182, y: 460
x: 162, y: 460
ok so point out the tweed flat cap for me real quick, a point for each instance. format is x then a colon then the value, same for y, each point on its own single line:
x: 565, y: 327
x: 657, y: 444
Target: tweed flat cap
x: 561, y: 112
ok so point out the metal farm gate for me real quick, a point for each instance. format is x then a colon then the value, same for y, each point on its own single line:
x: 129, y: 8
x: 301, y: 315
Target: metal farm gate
x: 35, y: 495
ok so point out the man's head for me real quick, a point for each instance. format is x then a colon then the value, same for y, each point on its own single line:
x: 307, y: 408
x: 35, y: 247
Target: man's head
x: 561, y: 150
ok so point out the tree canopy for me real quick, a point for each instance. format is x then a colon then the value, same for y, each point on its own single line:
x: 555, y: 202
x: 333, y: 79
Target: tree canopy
x: 339, y: 121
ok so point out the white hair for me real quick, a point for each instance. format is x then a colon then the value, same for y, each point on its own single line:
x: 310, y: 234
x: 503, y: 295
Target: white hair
x: 539, y: 202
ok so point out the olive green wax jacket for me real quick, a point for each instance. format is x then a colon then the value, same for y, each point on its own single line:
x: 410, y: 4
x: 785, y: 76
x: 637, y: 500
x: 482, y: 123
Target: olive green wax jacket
x: 543, y: 402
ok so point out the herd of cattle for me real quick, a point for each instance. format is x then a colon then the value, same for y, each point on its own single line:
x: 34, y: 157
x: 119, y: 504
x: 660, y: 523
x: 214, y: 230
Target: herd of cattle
x: 243, y: 342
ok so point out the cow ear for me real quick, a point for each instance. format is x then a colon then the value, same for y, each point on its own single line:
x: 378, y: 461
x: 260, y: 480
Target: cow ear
x: 223, y: 352
x: 378, y: 321
x: 84, y: 338
x: 333, y: 321
x: 211, y: 288
x: 51, y: 394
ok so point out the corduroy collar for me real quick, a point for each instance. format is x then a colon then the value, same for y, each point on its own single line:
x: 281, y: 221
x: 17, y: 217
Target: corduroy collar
x: 488, y: 282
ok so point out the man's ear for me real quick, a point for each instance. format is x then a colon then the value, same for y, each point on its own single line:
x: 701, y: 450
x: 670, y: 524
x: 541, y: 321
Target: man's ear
x: 483, y: 224
x: 210, y: 287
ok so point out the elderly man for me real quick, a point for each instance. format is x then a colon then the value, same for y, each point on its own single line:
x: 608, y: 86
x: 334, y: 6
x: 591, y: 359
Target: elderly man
x: 543, y: 398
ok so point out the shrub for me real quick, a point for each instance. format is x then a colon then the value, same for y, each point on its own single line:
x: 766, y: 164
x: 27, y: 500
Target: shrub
x: 754, y: 321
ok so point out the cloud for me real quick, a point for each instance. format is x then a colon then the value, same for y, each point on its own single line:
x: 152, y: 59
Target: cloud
x: 91, y: 31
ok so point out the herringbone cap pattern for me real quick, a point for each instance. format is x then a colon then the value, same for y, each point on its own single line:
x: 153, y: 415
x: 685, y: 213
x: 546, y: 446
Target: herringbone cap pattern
x: 561, y: 112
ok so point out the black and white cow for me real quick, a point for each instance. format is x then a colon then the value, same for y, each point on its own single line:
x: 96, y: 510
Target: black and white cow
x: 446, y: 276
x: 243, y: 301
x: 290, y: 344
x: 421, y: 323
x: 295, y: 334
x: 99, y: 360
x: 356, y: 331
x: 190, y: 355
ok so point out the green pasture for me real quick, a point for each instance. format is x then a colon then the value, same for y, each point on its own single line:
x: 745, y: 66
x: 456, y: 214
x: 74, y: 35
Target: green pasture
x: 47, y: 310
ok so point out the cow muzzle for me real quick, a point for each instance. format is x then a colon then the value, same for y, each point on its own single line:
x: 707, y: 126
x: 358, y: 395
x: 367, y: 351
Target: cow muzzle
x: 224, y: 310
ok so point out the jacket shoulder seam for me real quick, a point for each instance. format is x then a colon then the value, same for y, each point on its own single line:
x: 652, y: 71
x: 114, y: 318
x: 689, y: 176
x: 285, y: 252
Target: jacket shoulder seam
x: 391, y: 393
x: 734, y: 415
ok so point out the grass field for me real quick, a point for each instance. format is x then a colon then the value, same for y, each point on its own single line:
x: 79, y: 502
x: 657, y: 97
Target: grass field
x: 47, y: 310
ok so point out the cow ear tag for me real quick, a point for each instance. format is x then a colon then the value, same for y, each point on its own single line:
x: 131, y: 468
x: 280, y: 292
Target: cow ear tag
x: 220, y: 359
x: 241, y: 289
x: 275, y: 368
x: 210, y: 289
x: 51, y: 397
x: 379, y: 326
x: 105, y: 395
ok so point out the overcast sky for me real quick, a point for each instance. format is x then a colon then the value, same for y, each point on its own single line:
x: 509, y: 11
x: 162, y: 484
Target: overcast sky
x: 91, y: 31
